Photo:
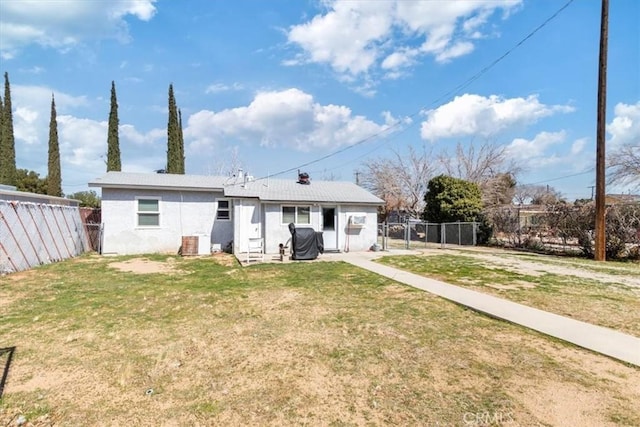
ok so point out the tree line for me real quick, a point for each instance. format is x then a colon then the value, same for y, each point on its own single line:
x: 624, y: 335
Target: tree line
x: 30, y: 181
x: 479, y: 184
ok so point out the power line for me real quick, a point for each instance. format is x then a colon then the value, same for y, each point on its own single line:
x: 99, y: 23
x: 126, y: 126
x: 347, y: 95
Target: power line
x: 507, y: 53
x: 558, y: 178
x: 562, y: 177
x: 438, y: 100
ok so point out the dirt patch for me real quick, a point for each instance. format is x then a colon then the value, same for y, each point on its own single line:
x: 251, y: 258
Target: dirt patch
x: 516, y: 285
x: 146, y: 266
x: 534, y: 268
x: 6, y: 300
x: 564, y: 404
x: 225, y: 259
x: 21, y: 275
x: 509, y: 261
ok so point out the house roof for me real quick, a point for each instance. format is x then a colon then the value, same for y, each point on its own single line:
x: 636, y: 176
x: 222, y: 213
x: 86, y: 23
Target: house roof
x: 164, y: 181
x: 268, y: 189
x: 288, y: 190
x: 24, y: 196
x: 622, y: 198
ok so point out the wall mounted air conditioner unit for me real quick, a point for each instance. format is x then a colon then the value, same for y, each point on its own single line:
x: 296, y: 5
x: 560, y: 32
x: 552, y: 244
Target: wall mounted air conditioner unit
x: 357, y: 220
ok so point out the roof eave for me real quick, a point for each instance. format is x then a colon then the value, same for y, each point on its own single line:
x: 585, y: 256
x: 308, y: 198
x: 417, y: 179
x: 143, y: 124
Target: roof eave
x: 155, y: 187
x: 333, y: 202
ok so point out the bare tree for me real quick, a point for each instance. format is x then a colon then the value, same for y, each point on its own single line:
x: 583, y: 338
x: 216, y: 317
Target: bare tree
x: 545, y: 195
x: 536, y: 194
x: 625, y: 162
x: 228, y: 166
x: 401, y: 181
x: 488, y: 166
x: 523, y: 194
x: 328, y: 175
x: 499, y: 189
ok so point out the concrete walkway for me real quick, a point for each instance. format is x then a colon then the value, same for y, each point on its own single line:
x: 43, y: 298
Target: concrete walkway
x: 596, y: 338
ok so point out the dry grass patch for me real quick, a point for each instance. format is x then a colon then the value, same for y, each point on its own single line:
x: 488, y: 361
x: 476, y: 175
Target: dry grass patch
x: 571, y: 292
x: 316, y: 343
x: 145, y: 266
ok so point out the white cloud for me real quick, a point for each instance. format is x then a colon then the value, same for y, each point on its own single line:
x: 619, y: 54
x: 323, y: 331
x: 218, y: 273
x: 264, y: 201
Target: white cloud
x: 458, y: 49
x: 221, y: 87
x: 523, y: 149
x: 63, y: 24
x: 287, y: 118
x: 31, y: 111
x: 82, y: 141
x: 39, y: 97
x: 357, y: 37
x: 33, y: 70
x: 578, y: 146
x: 128, y: 133
x: 399, y: 59
x: 625, y: 126
x: 548, y: 149
x: 24, y: 128
x: 471, y: 114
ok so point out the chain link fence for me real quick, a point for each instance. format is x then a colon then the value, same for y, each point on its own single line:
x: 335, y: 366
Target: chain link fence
x: 33, y: 234
x: 416, y: 235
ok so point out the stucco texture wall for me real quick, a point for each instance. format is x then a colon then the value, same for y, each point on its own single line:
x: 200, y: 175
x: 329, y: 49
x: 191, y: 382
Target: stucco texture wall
x: 181, y: 214
x: 359, y: 239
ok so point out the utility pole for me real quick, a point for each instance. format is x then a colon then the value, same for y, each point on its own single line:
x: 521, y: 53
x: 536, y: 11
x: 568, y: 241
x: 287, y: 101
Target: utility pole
x: 600, y: 238
x: 592, y: 187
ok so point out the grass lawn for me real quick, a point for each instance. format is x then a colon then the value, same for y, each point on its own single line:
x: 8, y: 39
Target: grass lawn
x: 203, y: 341
x: 604, y: 295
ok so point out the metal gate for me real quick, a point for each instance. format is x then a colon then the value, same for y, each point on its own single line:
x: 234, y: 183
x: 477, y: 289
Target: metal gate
x: 416, y: 234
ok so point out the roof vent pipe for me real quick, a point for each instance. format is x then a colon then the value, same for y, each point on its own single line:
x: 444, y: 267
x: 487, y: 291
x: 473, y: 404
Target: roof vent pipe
x: 303, y: 178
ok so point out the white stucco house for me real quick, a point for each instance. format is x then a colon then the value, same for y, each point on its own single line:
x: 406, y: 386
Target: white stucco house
x: 151, y: 213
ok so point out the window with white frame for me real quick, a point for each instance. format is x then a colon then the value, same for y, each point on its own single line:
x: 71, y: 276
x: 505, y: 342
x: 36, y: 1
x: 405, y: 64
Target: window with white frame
x: 296, y: 214
x: 148, y: 211
x: 224, y: 210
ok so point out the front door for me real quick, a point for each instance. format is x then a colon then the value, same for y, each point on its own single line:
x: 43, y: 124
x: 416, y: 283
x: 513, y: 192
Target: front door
x: 329, y: 228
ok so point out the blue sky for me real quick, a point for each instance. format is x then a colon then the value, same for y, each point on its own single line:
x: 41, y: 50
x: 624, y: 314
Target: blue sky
x: 271, y: 85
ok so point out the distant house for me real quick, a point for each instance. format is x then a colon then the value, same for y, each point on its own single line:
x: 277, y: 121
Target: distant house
x: 151, y: 213
x: 531, y: 217
x: 621, y: 199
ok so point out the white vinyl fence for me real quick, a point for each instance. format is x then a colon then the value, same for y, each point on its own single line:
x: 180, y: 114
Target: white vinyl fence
x: 33, y: 234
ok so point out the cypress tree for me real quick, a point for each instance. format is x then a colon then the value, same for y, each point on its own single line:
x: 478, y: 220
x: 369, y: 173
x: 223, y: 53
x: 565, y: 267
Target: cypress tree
x: 113, y: 139
x: 3, y: 155
x: 181, y: 142
x: 7, y: 141
x: 54, y: 180
x: 173, y: 136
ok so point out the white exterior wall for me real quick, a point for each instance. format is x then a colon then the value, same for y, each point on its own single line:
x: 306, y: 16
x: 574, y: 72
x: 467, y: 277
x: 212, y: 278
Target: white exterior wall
x: 222, y: 231
x: 276, y: 232
x: 189, y: 213
x: 360, y: 239
x: 182, y: 213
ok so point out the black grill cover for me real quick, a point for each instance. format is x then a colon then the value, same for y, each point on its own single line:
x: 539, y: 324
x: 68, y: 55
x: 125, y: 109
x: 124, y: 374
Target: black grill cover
x: 306, y: 243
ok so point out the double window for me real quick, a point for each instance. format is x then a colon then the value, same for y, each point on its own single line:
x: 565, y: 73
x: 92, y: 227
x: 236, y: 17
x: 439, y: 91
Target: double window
x: 224, y: 210
x: 296, y: 214
x: 148, y: 212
